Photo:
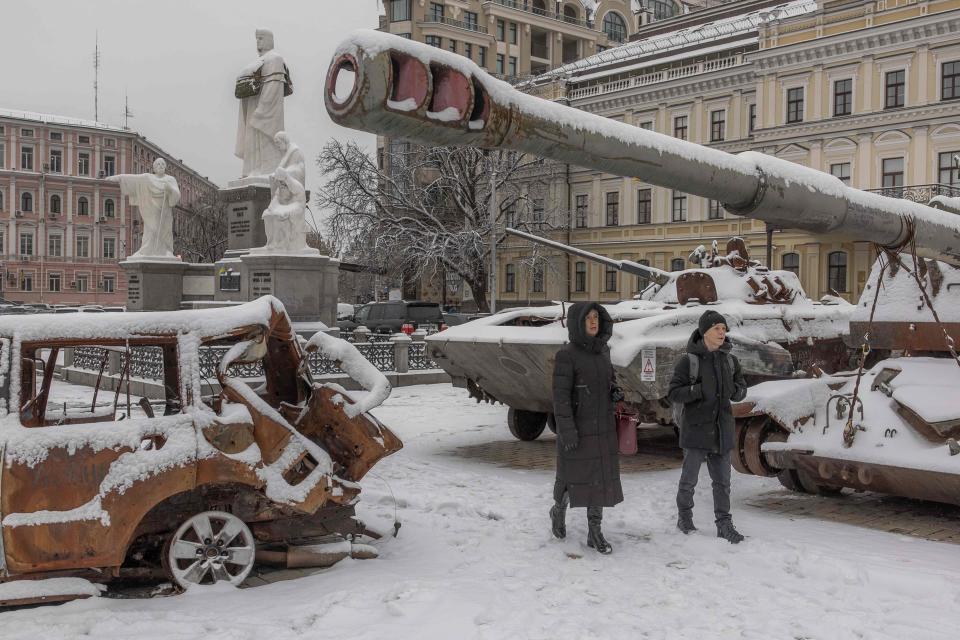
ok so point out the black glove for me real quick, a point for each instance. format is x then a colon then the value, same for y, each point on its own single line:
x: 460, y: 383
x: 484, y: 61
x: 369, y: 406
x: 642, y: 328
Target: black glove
x: 570, y: 445
x: 616, y: 394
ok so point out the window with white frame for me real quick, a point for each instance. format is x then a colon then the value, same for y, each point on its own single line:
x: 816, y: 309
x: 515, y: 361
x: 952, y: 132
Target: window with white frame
x: 795, y: 104
x: 843, y: 97
x: 109, y: 283
x: 82, y: 283
x: 56, y: 161
x: 678, y: 207
x: 891, y: 173
x: 26, y: 202
x: 26, y: 243
x: 948, y: 168
x: 109, y: 210
x: 83, y: 246
x: 26, y: 158
x: 83, y: 206
x: 55, y: 245
x: 109, y: 247
x: 56, y: 204
x: 53, y: 282
x: 841, y: 170
x: 895, y: 86
x: 83, y: 164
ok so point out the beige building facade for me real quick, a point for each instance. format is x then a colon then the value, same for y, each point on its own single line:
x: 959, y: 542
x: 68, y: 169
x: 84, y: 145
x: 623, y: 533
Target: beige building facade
x: 868, y: 90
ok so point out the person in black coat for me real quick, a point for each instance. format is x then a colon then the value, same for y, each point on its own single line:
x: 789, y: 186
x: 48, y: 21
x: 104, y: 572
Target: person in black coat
x: 584, y: 394
x: 707, y: 432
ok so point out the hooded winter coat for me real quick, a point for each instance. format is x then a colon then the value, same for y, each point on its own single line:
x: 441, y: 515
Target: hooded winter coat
x: 583, y: 410
x: 707, y: 415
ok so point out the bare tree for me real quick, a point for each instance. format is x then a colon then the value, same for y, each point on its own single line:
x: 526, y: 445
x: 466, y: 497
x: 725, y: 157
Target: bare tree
x: 426, y: 211
x: 200, y: 230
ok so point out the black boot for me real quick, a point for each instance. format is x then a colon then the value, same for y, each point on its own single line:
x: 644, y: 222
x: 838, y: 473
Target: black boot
x: 728, y: 532
x: 595, y: 539
x: 558, y: 518
x: 685, y: 523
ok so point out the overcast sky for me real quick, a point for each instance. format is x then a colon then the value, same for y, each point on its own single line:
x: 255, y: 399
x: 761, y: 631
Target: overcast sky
x: 177, y: 60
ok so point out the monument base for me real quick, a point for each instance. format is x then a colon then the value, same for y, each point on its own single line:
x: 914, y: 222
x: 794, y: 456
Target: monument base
x: 244, y: 210
x: 307, y: 285
x: 154, y: 286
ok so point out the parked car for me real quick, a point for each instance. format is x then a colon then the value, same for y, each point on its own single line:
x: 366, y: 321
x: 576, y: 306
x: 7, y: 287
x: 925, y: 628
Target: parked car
x: 389, y: 317
x: 454, y: 319
x: 98, y: 489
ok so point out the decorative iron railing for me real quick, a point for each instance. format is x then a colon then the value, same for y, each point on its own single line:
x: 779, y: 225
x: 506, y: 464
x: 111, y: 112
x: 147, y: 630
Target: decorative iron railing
x: 919, y: 192
x: 418, y: 359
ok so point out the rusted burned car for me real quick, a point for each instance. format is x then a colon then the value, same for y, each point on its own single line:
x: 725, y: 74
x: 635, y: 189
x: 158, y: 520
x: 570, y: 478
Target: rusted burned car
x: 197, y: 485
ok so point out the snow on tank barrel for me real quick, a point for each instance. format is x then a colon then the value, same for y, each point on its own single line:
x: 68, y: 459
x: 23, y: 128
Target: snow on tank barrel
x: 391, y: 86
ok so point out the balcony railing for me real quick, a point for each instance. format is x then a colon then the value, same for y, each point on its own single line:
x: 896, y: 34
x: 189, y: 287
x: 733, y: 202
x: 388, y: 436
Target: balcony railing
x: 658, y: 76
x: 921, y: 193
x: 459, y: 24
x: 526, y: 5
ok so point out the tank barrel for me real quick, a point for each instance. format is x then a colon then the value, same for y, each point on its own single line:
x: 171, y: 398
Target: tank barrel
x: 649, y: 273
x: 412, y: 91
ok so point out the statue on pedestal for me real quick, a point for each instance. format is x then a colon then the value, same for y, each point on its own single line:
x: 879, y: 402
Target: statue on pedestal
x: 285, y: 219
x: 261, y: 88
x: 291, y: 159
x: 155, y: 195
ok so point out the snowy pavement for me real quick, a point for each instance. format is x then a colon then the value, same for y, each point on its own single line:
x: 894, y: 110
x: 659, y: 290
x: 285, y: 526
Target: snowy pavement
x: 474, y: 559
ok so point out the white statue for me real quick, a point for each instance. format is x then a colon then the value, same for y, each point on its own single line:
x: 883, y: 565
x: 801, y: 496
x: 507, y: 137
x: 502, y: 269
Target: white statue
x: 291, y: 158
x: 261, y: 87
x: 284, y: 221
x: 155, y: 194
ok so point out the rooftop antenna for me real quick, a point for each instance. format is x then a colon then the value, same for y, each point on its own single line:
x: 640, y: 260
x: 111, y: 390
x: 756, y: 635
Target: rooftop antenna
x: 127, y: 114
x: 96, y: 78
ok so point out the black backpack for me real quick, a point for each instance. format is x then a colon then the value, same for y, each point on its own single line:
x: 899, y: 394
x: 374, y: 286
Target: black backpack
x: 678, y: 406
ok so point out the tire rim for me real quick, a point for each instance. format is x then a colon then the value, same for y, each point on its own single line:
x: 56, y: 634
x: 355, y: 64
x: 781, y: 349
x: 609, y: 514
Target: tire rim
x: 210, y: 548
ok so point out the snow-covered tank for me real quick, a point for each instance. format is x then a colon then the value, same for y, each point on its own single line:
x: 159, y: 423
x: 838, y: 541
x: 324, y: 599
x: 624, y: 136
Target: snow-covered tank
x: 892, y: 427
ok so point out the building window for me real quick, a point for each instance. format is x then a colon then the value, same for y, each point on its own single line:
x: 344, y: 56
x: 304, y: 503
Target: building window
x: 795, y: 104
x: 26, y: 244
x: 470, y: 19
x: 109, y: 165
x: 433, y: 41
x: 837, y: 271
x: 26, y: 202
x: 613, y: 208
x: 950, y: 80
x: 513, y: 66
x: 53, y: 282
x: 501, y: 30
x: 483, y: 57
x: 647, y: 124
x: 677, y: 264
x: 948, y: 173
x: 109, y: 247
x: 791, y: 262
x: 895, y: 83
x: 661, y: 9
x: 500, y: 61
x: 714, y: 210
x: 609, y: 279
x: 55, y: 246
x: 83, y: 246
x: 436, y: 12
x: 468, y: 50
x: 83, y: 283
x: 644, y: 205
x: 83, y: 139
x: 399, y: 10
x: 83, y: 206
x: 892, y: 176
x: 56, y: 136
x: 513, y: 33
x: 83, y: 164
x: 752, y: 122
x: 680, y: 127
x: 841, y: 170
x: 1, y: 200
x: 26, y: 133
x: 538, y: 211
x: 678, y: 208
x: 615, y: 27
x: 453, y: 46
x: 109, y: 284
x: 580, y: 213
x: 26, y: 158
x: 56, y: 161
x: 718, y: 125
x: 3, y: 155
x: 26, y: 281
x: 843, y: 97
x: 510, y: 281
x: 108, y: 208
x: 580, y: 277
x: 537, y: 285
x: 641, y: 282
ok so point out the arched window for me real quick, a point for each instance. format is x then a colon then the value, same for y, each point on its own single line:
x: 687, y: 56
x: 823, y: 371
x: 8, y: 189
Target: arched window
x: 26, y: 201
x: 677, y: 264
x: 662, y: 9
x: 83, y: 206
x: 837, y: 271
x: 510, y: 282
x: 570, y: 13
x: 108, y: 209
x: 791, y: 262
x: 614, y: 26
x: 54, y: 203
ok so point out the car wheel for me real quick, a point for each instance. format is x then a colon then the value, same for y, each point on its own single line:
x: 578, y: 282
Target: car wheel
x: 209, y: 548
x: 526, y: 425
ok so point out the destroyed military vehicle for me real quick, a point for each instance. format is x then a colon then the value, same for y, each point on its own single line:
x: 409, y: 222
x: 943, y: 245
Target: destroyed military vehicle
x: 891, y: 426
x: 192, y: 487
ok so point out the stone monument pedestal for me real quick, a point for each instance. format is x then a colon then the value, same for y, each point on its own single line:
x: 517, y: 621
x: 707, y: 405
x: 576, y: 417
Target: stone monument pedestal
x: 244, y: 206
x: 154, y: 285
x: 307, y: 284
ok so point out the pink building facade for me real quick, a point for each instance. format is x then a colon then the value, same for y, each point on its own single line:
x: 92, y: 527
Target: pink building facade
x: 63, y: 227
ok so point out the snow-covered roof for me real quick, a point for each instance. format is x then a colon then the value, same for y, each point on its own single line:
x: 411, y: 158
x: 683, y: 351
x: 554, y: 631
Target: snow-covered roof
x: 206, y: 323
x: 47, y: 118
x: 721, y: 29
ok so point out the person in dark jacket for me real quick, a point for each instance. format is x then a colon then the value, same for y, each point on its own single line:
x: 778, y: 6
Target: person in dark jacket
x: 584, y: 394
x: 707, y: 431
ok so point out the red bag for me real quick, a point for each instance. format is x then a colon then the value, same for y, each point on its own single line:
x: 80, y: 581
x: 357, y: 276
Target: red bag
x: 627, y: 433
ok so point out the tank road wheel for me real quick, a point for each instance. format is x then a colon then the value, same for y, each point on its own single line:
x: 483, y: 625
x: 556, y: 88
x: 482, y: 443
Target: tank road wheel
x: 788, y: 478
x: 210, y: 547
x: 801, y: 482
x: 759, y: 430
x: 526, y: 425
x: 736, y: 455
x: 551, y: 423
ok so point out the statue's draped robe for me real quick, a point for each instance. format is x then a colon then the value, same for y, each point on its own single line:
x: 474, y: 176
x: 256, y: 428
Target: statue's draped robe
x: 261, y: 118
x: 155, y: 197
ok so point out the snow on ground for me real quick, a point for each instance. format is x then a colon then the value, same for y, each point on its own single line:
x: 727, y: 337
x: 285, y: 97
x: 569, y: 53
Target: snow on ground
x: 475, y: 559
